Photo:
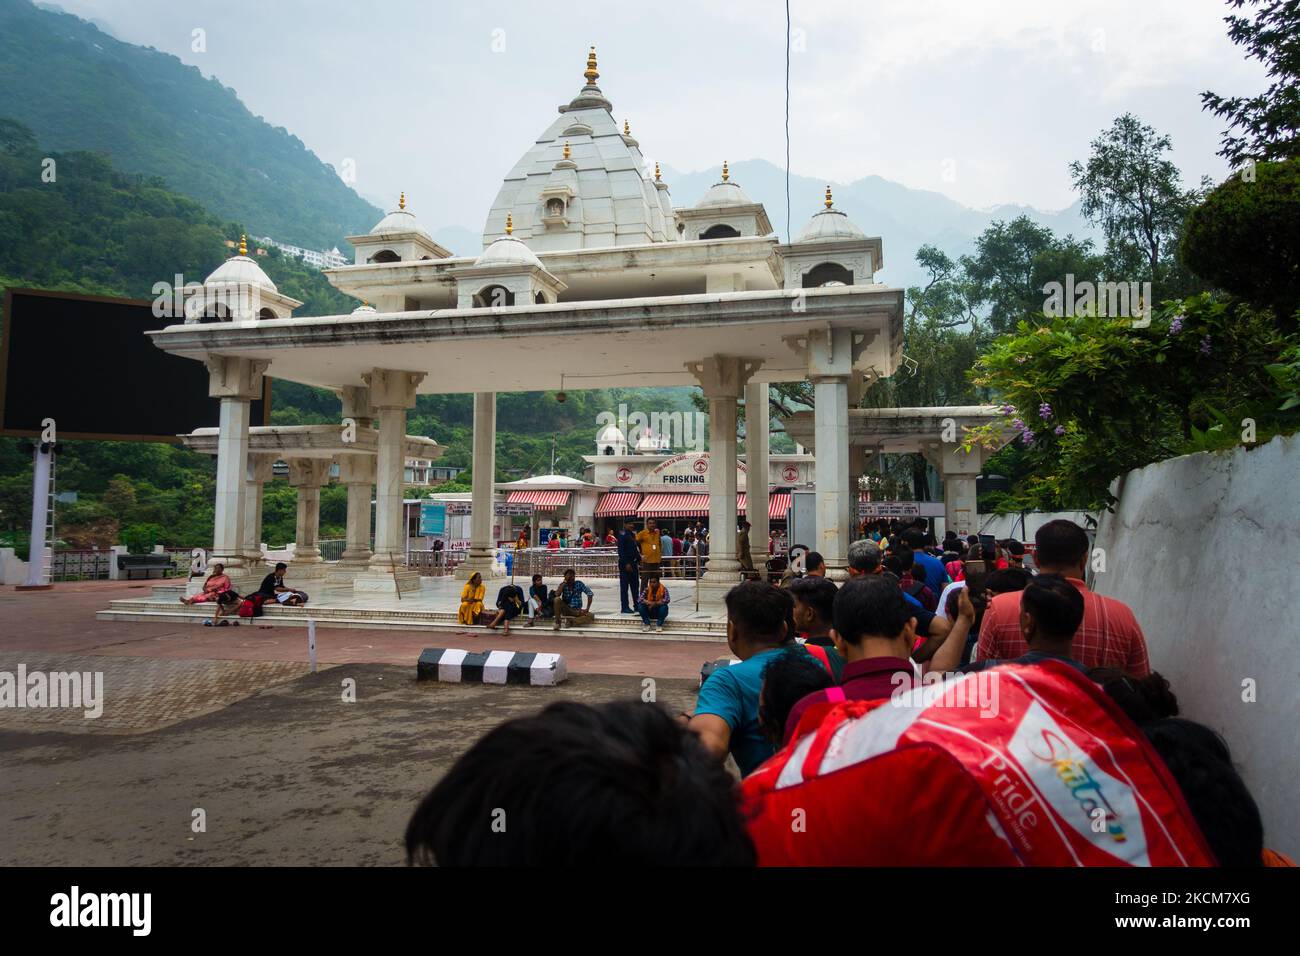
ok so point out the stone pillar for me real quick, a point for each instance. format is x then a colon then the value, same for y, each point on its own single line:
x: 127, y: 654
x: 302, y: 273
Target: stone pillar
x: 484, y: 474
x: 958, y: 469
x: 308, y: 476
x: 757, y: 433
x: 256, y: 475
x: 357, y: 474
x: 831, y: 354
x: 830, y: 415
x: 392, y: 392
x: 236, y: 382
x: 723, y: 379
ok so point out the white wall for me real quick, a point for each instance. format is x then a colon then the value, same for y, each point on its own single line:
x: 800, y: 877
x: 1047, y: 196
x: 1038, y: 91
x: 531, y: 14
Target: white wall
x: 1206, y: 550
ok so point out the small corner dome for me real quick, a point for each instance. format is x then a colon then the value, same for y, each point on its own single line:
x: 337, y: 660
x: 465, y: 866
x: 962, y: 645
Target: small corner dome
x: 724, y: 194
x: 611, y: 435
x: 399, y: 220
x: 240, y: 270
x: 508, y: 251
x: 364, y: 309
x: 829, y: 224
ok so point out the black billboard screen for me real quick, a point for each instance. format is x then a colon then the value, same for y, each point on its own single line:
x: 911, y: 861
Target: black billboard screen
x: 86, y: 362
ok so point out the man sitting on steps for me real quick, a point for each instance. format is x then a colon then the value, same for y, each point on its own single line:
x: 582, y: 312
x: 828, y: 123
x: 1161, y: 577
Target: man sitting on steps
x: 568, y: 602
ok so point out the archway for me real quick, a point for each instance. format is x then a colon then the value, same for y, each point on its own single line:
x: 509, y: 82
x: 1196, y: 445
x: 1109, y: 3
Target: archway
x: 720, y: 231
x: 826, y: 274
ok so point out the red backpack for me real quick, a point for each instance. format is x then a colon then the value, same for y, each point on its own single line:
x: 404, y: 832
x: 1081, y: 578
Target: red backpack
x: 251, y: 606
x: 1013, y: 766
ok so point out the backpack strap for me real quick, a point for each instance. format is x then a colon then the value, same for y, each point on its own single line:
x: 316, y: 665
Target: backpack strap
x: 821, y: 655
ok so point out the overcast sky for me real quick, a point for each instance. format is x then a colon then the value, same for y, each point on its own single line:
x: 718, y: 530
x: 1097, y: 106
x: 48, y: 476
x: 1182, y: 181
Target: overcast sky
x: 986, y: 102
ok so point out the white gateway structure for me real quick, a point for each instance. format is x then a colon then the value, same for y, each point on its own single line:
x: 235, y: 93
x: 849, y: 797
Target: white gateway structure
x: 590, y: 278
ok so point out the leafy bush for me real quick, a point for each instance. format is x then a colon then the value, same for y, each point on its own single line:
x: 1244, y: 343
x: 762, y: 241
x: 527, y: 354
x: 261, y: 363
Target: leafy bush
x: 1089, y: 398
x: 1245, y: 238
x: 141, y: 538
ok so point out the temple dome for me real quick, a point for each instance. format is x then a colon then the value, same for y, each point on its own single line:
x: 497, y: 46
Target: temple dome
x: 240, y: 270
x: 602, y: 199
x: 400, y: 219
x: 829, y: 225
x: 508, y: 250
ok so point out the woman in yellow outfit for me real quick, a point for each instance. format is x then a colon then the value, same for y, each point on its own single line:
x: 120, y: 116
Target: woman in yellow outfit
x: 471, y: 599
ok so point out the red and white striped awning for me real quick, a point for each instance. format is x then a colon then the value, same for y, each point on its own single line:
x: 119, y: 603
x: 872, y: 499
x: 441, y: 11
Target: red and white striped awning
x: 541, y: 500
x: 617, y: 504
x: 778, y: 503
x: 674, y: 504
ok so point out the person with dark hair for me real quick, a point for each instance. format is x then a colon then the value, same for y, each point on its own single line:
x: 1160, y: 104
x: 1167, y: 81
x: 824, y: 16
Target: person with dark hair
x: 814, y: 565
x: 787, y: 678
x: 510, y: 602
x: 629, y: 560
x: 1144, y: 699
x: 653, y: 604
x: 274, y: 588
x: 1016, y: 555
x: 624, y: 785
x: 743, y: 553
x: 814, y: 605
x: 568, y: 602
x: 1051, y: 609
x: 540, y: 602
x: 1199, y: 760
x: 935, y: 575
x: 726, y: 711
x: 1109, y: 635
x: 875, y: 630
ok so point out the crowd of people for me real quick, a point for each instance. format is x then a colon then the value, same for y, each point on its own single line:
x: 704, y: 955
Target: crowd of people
x: 626, y: 782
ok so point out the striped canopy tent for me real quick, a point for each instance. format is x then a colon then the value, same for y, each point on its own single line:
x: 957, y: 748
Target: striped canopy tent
x: 617, y: 504
x: 540, y: 500
x: 778, y: 505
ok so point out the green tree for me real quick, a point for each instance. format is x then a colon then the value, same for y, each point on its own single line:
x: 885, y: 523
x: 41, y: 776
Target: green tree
x: 1263, y: 127
x: 1132, y: 190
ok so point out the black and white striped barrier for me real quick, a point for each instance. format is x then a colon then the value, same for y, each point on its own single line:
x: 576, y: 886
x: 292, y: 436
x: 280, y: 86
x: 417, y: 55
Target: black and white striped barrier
x: 491, y: 667
x: 711, y: 666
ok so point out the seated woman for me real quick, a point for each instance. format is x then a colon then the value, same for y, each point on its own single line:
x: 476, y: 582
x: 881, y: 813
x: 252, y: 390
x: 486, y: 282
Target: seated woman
x: 653, y: 604
x: 471, y: 600
x: 510, y: 601
x: 216, y: 588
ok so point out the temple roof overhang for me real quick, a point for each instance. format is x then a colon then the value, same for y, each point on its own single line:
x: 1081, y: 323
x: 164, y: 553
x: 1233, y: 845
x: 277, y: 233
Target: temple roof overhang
x: 900, y: 430
x: 577, y: 345
x: 312, y: 441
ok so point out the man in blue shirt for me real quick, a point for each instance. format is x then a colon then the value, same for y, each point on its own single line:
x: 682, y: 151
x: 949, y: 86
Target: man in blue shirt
x: 935, y: 575
x: 568, y: 602
x: 726, y: 711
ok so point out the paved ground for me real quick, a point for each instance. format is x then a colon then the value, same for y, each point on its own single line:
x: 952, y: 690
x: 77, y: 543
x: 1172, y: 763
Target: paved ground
x: 291, y: 775
x: 63, y: 620
x: 228, y: 720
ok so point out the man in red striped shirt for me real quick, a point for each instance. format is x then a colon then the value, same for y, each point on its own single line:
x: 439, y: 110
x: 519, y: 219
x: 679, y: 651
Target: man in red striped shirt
x: 1109, y: 636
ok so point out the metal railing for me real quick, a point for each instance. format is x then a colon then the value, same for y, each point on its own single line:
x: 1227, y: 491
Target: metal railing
x: 434, y: 563
x: 80, y: 564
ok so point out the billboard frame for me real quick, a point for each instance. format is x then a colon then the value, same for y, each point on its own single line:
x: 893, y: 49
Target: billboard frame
x: 6, y: 336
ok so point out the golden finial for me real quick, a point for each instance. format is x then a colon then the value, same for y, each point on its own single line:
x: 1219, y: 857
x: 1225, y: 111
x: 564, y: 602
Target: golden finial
x: 243, y: 245
x: 566, y: 149
x: 725, y: 174
x: 510, y: 224
x: 828, y: 196
x: 627, y: 130
x: 401, y: 201
x: 656, y: 172
x: 590, y: 73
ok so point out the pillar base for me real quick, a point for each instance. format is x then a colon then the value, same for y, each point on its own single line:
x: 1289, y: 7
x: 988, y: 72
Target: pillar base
x: 484, y: 562
x: 385, y: 582
x: 713, y: 591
